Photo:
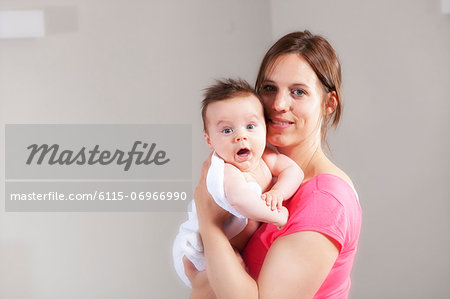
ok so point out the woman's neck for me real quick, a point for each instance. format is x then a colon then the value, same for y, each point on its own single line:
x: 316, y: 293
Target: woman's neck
x: 307, y: 156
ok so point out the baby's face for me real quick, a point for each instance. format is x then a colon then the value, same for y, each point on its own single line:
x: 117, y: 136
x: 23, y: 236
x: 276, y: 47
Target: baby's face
x: 236, y: 130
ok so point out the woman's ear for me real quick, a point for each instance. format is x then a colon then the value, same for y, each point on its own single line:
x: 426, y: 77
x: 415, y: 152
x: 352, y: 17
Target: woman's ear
x: 331, y: 103
x: 207, y: 139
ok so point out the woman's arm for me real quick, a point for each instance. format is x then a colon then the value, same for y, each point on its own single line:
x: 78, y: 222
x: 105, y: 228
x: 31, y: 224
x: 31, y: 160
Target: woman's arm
x: 226, y: 275
x: 295, y: 266
x: 199, y: 281
x: 223, y: 268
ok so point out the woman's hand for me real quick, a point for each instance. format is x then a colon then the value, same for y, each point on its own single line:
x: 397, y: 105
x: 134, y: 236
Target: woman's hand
x: 199, y: 281
x: 207, y: 210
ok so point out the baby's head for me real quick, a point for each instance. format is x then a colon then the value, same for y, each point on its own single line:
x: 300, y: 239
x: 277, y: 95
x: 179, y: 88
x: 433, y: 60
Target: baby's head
x: 233, y: 121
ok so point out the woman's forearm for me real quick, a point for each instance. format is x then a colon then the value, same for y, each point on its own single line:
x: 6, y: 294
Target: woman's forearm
x: 226, y: 275
x: 202, y: 291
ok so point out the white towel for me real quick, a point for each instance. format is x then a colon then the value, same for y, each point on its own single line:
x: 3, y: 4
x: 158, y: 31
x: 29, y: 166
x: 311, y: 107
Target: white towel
x: 188, y: 242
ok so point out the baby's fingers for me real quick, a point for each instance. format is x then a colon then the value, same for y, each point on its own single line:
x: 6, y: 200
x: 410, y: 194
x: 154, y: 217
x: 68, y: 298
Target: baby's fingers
x: 279, y: 205
x: 274, y: 203
x: 268, y: 199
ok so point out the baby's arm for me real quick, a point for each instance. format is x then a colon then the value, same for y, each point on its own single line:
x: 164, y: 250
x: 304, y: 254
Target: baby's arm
x: 289, y: 177
x: 248, y: 202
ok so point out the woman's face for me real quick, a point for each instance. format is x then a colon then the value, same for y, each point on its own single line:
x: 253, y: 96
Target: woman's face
x: 292, y: 95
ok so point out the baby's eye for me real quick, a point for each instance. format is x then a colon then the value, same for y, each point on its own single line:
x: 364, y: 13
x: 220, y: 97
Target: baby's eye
x: 227, y: 131
x: 298, y: 92
x: 250, y: 126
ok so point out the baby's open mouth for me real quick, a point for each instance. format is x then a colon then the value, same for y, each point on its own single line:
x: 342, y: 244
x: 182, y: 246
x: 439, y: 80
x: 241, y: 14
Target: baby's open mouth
x: 243, y: 152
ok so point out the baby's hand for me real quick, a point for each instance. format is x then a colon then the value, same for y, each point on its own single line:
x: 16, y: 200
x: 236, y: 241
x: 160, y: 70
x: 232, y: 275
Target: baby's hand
x: 274, y: 199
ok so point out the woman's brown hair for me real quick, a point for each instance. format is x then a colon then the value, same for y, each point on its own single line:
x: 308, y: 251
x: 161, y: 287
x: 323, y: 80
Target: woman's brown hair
x: 322, y: 58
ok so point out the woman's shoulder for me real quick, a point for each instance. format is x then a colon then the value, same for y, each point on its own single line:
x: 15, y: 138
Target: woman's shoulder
x: 329, y: 179
x: 328, y: 183
x: 325, y: 200
x: 328, y: 167
x: 324, y: 191
x: 337, y: 172
x: 326, y: 180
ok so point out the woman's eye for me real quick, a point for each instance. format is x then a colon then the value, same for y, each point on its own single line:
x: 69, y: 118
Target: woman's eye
x: 227, y: 131
x: 250, y: 126
x: 298, y: 92
x: 269, y: 88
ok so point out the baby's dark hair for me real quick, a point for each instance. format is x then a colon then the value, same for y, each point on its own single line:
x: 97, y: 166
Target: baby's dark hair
x: 225, y: 89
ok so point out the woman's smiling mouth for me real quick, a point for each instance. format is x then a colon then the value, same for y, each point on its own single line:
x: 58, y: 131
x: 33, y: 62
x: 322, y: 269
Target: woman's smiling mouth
x: 279, y: 123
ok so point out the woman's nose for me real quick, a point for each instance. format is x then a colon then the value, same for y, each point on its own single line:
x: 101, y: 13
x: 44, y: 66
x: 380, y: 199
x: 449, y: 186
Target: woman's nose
x: 280, y: 102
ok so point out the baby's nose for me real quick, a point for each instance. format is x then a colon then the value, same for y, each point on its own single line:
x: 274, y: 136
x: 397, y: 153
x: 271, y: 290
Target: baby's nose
x: 240, y: 137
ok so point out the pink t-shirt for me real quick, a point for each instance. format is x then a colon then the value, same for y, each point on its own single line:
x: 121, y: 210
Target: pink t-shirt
x: 326, y: 204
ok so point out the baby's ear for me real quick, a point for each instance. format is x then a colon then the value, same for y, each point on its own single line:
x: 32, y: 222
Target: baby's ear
x: 207, y: 139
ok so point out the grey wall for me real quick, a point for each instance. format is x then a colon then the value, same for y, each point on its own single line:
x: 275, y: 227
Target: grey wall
x: 114, y: 62
x: 394, y: 140
x: 147, y: 61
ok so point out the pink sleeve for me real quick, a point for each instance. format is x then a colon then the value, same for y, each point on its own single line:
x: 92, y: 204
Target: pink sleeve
x: 321, y: 212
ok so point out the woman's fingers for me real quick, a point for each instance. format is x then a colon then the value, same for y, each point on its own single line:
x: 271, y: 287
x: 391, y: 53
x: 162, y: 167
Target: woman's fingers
x: 189, y: 269
x: 206, y: 164
x: 201, y: 189
x: 207, y: 209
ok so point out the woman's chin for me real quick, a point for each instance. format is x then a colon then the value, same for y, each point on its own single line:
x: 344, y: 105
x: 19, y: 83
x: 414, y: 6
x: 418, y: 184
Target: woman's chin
x: 278, y: 140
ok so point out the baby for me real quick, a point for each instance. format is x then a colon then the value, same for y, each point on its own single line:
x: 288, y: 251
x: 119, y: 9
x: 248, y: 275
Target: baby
x: 234, y: 127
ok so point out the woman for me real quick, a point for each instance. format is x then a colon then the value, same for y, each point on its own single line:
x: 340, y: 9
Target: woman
x: 312, y: 256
